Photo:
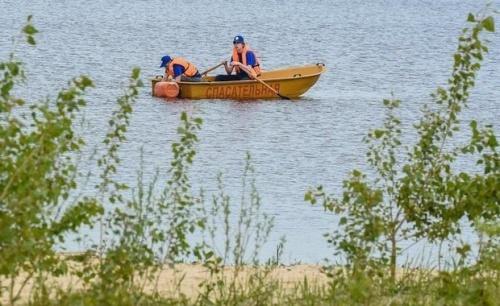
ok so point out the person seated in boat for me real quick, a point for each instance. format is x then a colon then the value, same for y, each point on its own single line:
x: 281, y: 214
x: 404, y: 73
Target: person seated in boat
x: 179, y: 69
x: 243, y: 61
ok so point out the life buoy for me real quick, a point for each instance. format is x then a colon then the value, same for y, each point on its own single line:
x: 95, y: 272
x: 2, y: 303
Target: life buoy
x: 166, y: 89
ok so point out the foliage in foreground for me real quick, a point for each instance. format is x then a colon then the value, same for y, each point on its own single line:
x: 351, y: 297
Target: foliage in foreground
x: 144, y: 234
x: 417, y: 192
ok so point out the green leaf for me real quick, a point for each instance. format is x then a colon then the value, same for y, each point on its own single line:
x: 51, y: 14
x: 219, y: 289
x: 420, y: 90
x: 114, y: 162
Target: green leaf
x: 13, y: 68
x: 489, y: 24
x: 31, y: 40
x: 30, y: 29
x: 343, y: 221
x: 492, y: 142
x: 308, y: 196
x: 86, y: 81
x: 6, y: 88
x: 135, y: 73
x: 378, y: 133
x: 471, y: 18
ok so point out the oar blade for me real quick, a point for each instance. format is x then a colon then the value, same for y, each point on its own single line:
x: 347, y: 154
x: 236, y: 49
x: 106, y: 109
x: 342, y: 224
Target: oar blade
x: 283, y: 97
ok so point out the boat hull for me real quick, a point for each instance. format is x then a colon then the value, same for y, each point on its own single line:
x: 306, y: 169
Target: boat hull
x: 290, y: 82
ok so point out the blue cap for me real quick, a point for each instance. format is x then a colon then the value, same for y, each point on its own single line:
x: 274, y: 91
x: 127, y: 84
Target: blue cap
x: 165, y: 60
x: 238, y: 39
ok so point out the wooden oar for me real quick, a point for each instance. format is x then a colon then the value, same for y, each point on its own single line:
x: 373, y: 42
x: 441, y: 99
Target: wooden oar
x: 213, y: 68
x: 272, y: 89
x: 265, y: 84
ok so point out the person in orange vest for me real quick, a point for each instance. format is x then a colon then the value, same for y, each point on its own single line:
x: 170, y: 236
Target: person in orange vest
x: 179, y: 69
x: 243, y: 62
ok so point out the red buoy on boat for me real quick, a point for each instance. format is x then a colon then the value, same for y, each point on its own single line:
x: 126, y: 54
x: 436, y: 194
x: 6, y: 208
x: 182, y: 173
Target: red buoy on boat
x: 166, y: 89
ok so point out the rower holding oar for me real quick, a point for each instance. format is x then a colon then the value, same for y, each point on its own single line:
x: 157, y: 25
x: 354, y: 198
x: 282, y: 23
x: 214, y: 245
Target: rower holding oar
x: 179, y: 69
x: 242, y: 57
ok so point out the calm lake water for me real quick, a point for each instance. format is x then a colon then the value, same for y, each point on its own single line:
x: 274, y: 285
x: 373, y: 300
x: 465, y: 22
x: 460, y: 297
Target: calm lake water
x: 371, y: 49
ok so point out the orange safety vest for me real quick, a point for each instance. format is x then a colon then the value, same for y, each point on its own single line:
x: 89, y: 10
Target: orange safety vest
x: 255, y: 69
x: 190, y: 70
